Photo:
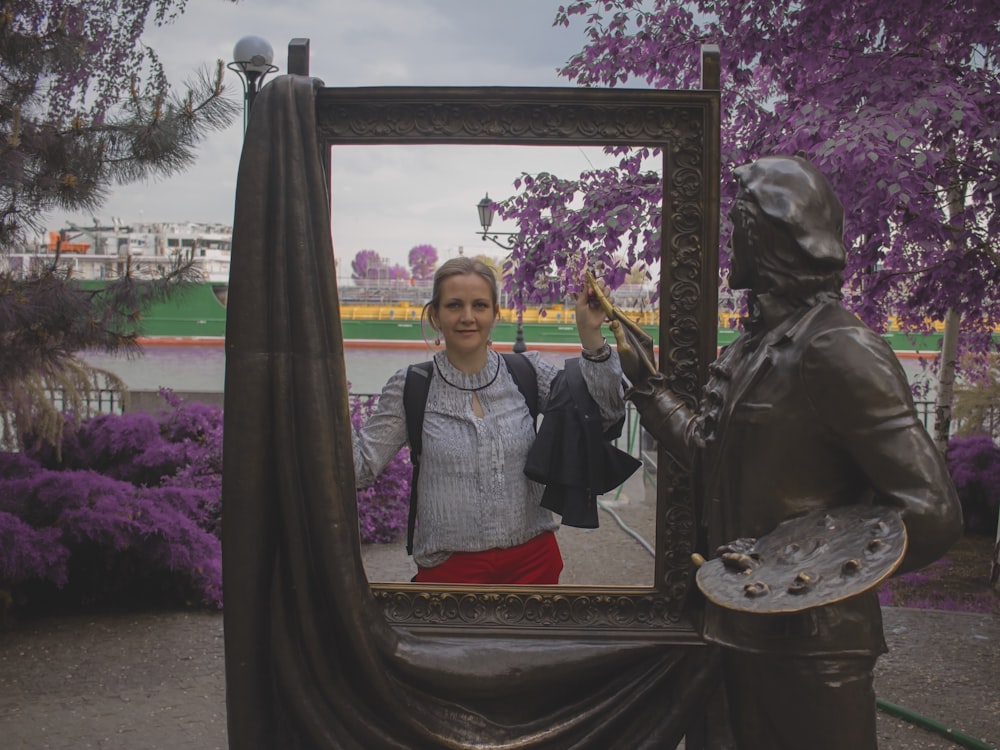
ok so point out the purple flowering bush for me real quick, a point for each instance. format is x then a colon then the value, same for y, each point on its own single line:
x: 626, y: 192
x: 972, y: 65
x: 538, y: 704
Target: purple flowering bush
x: 26, y: 552
x: 127, y: 511
x: 960, y: 581
x: 944, y: 585
x: 383, y: 508
x: 974, y: 463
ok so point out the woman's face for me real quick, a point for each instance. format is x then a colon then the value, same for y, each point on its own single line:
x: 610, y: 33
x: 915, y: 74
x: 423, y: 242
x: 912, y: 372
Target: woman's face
x: 466, y: 313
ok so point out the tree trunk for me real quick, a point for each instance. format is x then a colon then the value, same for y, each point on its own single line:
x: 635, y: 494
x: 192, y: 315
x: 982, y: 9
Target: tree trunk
x: 995, y: 565
x: 949, y: 342
x: 946, y: 379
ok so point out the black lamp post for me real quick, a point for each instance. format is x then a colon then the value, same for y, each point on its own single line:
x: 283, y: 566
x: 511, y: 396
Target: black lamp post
x: 252, y: 58
x: 485, y: 209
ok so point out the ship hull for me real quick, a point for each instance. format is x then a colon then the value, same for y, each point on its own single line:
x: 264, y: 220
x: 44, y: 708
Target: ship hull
x: 197, y: 315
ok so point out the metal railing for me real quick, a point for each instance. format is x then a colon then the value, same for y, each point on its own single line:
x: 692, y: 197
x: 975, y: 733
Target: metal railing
x: 990, y: 418
x: 634, y: 439
x: 109, y: 401
x: 95, y: 401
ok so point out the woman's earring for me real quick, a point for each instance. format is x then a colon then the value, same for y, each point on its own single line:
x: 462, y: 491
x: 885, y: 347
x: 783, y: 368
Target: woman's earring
x: 437, y: 340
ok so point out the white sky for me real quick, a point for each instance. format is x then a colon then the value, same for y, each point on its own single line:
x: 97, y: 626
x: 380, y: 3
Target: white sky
x: 388, y: 199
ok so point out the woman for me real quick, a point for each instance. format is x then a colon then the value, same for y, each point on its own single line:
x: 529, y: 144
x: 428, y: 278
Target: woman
x: 478, y: 517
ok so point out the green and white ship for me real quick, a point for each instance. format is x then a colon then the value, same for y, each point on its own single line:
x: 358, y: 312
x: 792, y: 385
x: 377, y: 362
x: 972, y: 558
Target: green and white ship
x: 373, y: 312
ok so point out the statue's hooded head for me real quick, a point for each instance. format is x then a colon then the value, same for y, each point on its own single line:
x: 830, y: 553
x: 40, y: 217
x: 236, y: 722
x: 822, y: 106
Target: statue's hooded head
x: 788, y: 228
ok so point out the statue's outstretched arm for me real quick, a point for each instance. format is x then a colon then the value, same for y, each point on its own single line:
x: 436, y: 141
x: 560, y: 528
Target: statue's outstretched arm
x: 661, y: 411
x: 665, y: 415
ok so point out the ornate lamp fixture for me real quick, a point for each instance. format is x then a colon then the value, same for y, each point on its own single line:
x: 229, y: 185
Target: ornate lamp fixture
x: 252, y: 58
x: 485, y: 209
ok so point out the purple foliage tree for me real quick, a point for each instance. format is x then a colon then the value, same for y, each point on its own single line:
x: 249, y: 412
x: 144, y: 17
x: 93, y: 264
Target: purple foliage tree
x: 398, y: 272
x: 367, y: 265
x: 423, y: 260
x: 45, y: 321
x: 899, y: 105
x: 84, y: 103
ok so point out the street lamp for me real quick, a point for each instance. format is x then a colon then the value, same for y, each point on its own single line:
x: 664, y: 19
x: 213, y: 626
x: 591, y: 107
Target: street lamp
x: 485, y: 209
x: 252, y: 58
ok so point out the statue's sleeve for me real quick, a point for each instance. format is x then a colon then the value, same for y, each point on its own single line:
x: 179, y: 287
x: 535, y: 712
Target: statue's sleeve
x: 666, y: 416
x: 859, y: 390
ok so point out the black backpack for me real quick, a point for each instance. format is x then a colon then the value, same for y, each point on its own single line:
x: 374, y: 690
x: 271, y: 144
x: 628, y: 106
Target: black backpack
x: 418, y: 383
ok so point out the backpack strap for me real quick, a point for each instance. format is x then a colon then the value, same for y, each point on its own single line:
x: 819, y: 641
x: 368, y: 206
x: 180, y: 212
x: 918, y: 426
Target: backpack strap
x: 525, y: 378
x: 415, y: 389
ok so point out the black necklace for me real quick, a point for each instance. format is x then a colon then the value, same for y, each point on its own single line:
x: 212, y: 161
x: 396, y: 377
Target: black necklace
x: 477, y: 388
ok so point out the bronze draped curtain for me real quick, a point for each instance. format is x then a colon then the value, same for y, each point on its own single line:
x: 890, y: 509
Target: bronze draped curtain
x: 310, y: 661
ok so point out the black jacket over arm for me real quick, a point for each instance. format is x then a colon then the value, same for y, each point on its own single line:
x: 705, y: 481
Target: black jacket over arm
x: 572, y: 455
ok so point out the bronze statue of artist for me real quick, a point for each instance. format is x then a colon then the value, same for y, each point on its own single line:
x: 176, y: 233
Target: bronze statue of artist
x: 807, y: 409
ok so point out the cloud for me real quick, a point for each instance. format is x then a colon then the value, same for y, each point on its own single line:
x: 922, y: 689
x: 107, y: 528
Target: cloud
x: 395, y: 198
x: 428, y: 194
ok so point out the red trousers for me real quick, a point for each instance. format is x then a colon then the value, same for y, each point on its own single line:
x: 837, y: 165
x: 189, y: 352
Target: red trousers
x: 537, y: 561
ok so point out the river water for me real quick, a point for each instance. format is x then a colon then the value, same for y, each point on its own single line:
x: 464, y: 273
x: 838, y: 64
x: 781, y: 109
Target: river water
x: 203, y: 368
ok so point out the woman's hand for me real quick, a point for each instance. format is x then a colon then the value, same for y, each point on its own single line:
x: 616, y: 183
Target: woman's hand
x: 635, y: 346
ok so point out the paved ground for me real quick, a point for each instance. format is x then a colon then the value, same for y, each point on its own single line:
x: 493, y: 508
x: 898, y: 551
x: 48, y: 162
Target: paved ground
x: 154, y: 681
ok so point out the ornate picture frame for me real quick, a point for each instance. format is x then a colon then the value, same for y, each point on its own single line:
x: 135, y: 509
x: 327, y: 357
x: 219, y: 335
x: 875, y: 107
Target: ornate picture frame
x: 684, y: 127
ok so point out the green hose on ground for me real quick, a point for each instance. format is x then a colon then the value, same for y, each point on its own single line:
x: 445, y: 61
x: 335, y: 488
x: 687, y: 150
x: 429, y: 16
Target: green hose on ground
x: 913, y: 717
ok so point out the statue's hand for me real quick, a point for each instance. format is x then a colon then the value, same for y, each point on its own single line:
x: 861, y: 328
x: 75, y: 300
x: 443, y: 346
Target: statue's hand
x: 635, y: 349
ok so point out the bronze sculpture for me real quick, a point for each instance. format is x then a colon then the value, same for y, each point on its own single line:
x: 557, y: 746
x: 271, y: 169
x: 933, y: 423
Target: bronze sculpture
x: 316, y: 657
x: 808, y: 409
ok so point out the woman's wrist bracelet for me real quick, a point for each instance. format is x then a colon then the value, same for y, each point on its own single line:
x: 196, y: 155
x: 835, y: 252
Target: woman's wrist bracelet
x: 600, y: 354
